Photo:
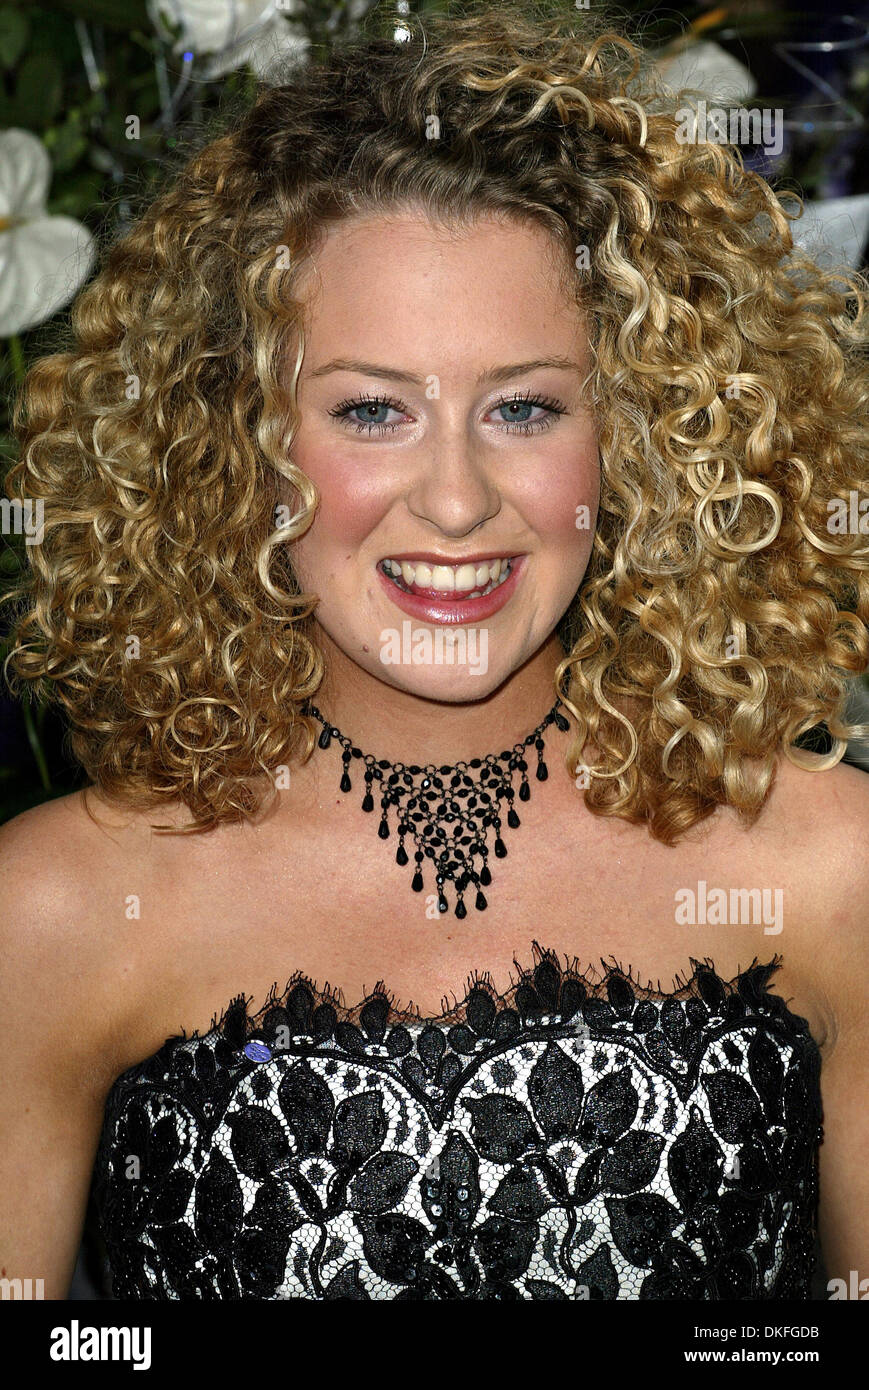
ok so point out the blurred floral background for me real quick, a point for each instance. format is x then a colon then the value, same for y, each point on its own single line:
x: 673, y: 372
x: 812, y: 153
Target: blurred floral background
x: 98, y: 97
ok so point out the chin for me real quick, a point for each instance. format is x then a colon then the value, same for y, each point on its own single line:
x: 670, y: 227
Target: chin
x: 451, y: 685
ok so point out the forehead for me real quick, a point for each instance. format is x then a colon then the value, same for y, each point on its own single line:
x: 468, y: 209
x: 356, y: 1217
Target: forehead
x: 428, y: 287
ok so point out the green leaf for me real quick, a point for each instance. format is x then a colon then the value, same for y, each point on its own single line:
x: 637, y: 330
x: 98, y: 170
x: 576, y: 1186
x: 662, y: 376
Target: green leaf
x: 66, y: 144
x: 115, y: 14
x: 76, y: 195
x: 142, y: 98
x: 39, y: 91
x: 14, y: 33
x: 36, y: 745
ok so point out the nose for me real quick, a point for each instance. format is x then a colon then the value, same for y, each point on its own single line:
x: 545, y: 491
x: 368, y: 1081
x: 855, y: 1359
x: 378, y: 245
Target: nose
x: 454, y: 492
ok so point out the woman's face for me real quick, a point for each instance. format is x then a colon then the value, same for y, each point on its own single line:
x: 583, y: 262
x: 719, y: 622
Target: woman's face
x: 440, y: 449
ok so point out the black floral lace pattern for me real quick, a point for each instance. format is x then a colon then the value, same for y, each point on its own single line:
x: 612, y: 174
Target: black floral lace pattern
x: 574, y: 1138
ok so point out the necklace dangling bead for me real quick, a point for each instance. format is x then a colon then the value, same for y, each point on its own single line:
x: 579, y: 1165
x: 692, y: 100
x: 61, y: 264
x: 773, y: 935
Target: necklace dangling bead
x: 448, y: 812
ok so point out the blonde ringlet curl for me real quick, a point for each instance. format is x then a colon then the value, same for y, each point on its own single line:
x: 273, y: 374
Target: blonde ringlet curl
x: 161, y: 510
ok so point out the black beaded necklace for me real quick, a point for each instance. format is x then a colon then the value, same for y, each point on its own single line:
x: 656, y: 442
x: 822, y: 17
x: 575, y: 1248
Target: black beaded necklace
x: 447, y: 811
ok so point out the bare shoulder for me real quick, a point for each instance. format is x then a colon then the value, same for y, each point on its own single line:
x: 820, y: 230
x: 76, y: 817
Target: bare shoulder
x: 819, y: 817
x: 817, y: 830
x: 56, y: 942
x: 71, y: 844
x: 842, y: 791
x: 57, y: 853
x: 65, y: 991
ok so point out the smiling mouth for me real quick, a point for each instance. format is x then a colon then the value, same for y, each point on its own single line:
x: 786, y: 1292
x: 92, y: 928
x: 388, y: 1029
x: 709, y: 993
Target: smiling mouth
x: 461, y: 581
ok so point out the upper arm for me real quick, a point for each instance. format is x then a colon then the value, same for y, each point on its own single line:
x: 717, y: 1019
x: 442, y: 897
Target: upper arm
x: 841, y: 964
x: 51, y: 1087
x: 844, y: 1177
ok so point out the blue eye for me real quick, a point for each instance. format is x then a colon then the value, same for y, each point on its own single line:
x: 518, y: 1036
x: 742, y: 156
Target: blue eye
x: 373, y: 413
x: 374, y: 409
x: 516, y: 405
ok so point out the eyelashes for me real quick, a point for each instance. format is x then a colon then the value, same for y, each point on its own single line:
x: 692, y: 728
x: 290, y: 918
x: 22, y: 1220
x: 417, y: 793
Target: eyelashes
x: 344, y: 409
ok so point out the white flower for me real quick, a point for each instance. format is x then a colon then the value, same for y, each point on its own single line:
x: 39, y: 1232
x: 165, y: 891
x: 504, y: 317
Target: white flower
x: 712, y: 70
x: 44, y: 260
x: 834, y: 230
x: 236, y: 33
x: 210, y: 25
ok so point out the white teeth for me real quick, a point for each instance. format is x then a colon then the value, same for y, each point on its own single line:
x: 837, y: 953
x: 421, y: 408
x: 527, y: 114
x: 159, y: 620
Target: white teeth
x: 442, y: 577
x: 466, y: 577
x: 450, y: 578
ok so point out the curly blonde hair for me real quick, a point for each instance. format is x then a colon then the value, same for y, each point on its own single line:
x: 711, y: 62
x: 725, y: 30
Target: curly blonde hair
x: 718, y: 620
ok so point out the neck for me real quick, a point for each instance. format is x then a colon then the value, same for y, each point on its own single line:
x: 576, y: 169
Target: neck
x: 400, y: 726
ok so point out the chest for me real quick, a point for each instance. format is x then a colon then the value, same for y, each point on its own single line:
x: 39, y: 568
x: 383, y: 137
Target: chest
x: 246, y: 912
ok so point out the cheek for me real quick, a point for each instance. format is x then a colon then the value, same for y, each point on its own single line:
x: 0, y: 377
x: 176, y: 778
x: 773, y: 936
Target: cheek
x: 353, y: 500
x: 560, y: 502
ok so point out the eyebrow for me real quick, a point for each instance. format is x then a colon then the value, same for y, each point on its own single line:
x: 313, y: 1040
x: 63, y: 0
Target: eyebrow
x: 493, y: 374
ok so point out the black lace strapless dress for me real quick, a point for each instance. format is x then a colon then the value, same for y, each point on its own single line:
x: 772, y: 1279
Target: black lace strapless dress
x: 578, y: 1137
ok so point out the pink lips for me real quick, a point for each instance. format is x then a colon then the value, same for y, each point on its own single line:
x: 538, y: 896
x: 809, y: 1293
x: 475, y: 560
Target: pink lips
x: 433, y: 606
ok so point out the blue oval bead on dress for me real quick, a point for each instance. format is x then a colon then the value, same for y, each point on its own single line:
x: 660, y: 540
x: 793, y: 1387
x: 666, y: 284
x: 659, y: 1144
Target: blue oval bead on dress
x: 458, y: 1186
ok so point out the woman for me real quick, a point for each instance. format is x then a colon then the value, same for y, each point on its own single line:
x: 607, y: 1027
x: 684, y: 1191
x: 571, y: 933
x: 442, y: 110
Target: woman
x: 448, y: 404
